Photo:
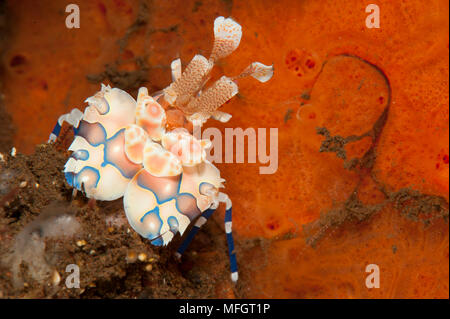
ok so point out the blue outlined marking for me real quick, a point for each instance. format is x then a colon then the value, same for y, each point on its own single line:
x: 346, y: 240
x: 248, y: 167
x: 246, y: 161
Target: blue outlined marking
x: 157, y: 221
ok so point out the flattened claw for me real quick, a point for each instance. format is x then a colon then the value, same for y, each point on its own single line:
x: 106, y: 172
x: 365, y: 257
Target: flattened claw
x: 135, y: 139
x: 259, y: 71
x: 190, y: 82
x: 215, y: 96
x: 227, y: 36
x: 150, y: 115
x: 160, y: 162
x: 188, y: 93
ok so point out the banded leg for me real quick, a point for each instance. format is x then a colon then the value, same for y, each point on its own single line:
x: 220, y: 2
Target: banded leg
x: 229, y: 233
x: 73, y: 118
x: 200, y: 222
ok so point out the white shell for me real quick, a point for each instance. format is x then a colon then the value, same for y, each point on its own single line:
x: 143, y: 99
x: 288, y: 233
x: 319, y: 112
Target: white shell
x: 98, y: 165
x: 153, y: 205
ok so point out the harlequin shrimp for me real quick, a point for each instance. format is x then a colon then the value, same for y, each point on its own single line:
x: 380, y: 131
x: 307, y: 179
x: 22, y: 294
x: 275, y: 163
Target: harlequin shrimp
x: 124, y: 148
